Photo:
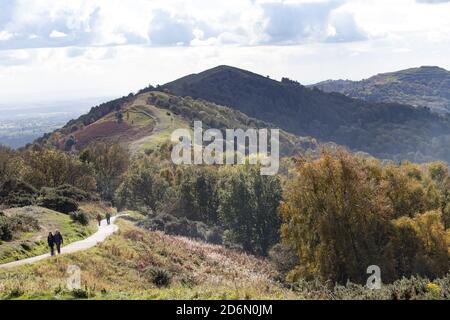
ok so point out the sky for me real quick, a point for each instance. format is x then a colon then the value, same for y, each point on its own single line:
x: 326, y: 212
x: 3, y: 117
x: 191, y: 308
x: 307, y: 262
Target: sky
x: 54, y: 50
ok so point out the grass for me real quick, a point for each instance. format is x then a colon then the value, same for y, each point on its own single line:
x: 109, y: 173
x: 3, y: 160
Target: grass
x: 124, y: 267
x: 34, y: 243
x: 166, y: 123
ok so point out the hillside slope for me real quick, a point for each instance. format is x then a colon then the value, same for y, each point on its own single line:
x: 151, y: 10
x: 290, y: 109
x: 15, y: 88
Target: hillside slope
x: 148, y: 119
x: 421, y: 87
x: 137, y: 264
x: 385, y: 130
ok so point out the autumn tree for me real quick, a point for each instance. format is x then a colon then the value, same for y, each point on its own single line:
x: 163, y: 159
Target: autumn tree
x: 110, y: 162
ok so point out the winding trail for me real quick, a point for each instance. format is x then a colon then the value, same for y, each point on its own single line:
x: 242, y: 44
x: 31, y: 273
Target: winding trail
x: 102, y: 233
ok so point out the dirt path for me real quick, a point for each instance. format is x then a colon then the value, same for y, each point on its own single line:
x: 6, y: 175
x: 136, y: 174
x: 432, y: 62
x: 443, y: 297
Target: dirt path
x: 102, y: 233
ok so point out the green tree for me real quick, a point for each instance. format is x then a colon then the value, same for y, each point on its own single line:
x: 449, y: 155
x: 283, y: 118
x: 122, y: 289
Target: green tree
x: 248, y: 205
x: 110, y: 162
x: 143, y: 186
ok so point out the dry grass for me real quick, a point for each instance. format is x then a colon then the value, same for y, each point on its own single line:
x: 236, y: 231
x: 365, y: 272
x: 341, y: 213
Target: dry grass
x: 119, y: 269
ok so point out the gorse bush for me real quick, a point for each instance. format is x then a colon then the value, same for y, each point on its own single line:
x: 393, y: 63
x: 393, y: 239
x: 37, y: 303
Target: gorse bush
x: 16, y: 224
x: 16, y: 193
x: 412, y: 288
x: 182, y: 227
x: 81, y: 217
x: 58, y: 203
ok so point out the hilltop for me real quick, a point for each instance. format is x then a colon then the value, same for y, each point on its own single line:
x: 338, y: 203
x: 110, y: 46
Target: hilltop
x: 426, y: 86
x: 143, y: 121
x: 385, y: 130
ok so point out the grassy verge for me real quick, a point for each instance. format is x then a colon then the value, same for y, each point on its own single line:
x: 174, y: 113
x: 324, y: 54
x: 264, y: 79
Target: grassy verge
x: 34, y: 243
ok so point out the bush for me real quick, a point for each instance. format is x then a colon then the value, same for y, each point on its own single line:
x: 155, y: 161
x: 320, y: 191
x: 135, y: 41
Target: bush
x: 81, y: 217
x: 159, y: 276
x: 283, y: 257
x: 14, y: 193
x: 10, y: 226
x: 182, y: 227
x: 59, y: 203
x: 6, y: 233
x: 68, y: 191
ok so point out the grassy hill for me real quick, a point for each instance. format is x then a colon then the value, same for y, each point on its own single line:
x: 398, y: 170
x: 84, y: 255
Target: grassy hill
x: 386, y: 130
x: 421, y: 87
x: 148, y: 119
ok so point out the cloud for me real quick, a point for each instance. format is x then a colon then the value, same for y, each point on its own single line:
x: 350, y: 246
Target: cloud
x: 160, y: 23
x: 170, y: 30
x: 432, y: 1
x: 5, y: 35
x: 57, y: 34
x: 343, y: 28
x: 293, y: 23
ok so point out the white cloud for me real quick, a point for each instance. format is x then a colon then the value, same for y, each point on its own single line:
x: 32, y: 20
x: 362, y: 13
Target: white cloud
x: 57, y: 34
x: 5, y: 35
x: 85, y: 47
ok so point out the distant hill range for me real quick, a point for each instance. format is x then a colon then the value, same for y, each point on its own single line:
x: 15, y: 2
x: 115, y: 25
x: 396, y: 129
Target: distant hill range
x: 385, y: 130
x: 228, y: 97
x: 421, y: 87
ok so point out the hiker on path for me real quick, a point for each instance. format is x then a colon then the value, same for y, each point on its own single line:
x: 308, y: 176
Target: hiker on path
x: 108, y: 217
x: 51, y: 243
x: 99, y: 219
x: 58, y: 238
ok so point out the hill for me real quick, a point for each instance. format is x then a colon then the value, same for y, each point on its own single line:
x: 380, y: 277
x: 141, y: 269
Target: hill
x: 420, y: 87
x: 386, y: 130
x: 141, y: 122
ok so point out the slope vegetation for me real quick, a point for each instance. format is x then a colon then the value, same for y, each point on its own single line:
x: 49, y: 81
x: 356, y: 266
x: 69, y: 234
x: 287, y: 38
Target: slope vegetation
x: 421, y: 87
x: 385, y: 130
x: 137, y: 264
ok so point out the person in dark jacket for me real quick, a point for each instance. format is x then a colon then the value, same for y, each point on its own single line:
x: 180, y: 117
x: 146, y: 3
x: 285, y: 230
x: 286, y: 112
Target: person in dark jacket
x: 99, y: 219
x: 51, y: 243
x: 108, y: 217
x: 58, y: 241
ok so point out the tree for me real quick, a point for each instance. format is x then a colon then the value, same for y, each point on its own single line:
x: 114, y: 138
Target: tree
x: 110, y: 162
x: 334, y: 217
x: 52, y: 168
x: 11, y: 165
x: 248, y: 205
x: 143, y: 185
x: 344, y: 212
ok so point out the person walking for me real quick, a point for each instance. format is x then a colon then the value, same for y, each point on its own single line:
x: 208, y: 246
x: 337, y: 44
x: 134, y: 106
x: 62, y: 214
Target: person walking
x: 58, y: 241
x: 108, y: 217
x: 51, y: 243
x: 99, y: 219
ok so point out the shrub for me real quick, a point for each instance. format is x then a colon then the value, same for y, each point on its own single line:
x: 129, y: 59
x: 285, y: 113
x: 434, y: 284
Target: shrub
x: 59, y: 203
x: 81, y: 217
x: 80, y: 293
x: 14, y: 193
x: 10, y: 226
x: 68, y: 191
x: 6, y: 233
x: 159, y: 276
x: 182, y: 227
x: 283, y: 257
